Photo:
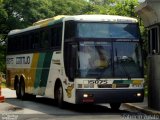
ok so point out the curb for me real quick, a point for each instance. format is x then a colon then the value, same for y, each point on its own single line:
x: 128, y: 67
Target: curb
x: 143, y: 110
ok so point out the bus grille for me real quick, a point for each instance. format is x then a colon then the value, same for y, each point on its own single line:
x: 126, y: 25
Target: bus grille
x: 111, y: 85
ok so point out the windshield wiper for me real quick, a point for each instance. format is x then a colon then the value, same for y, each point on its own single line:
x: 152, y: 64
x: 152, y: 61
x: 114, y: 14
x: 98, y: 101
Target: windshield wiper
x: 125, y: 71
x: 123, y: 67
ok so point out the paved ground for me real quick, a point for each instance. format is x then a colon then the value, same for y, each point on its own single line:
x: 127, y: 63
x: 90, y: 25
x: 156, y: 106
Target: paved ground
x: 42, y: 108
x: 7, y: 93
x: 143, y: 107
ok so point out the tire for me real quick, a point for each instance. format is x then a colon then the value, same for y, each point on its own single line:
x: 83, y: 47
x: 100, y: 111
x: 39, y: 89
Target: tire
x: 22, y: 90
x: 59, y: 96
x: 17, y: 87
x: 115, y: 106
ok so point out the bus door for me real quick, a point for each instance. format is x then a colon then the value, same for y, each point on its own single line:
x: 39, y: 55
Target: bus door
x: 70, y: 60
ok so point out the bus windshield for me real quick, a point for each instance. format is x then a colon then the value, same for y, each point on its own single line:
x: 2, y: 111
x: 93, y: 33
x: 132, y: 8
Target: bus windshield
x: 107, y: 30
x: 109, y: 59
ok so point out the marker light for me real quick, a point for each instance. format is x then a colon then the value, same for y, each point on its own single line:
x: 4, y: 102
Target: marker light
x: 138, y: 94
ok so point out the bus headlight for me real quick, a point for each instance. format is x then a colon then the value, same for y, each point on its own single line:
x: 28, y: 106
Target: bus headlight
x: 85, y: 95
x: 139, y: 94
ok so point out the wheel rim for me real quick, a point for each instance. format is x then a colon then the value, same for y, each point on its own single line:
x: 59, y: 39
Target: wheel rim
x: 22, y: 90
x: 17, y: 90
x: 60, y: 95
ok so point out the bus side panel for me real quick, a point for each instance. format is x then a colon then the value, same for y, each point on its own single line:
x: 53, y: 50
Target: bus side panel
x: 32, y: 68
x: 42, y: 72
x: 10, y: 78
x: 17, y: 66
x: 31, y: 76
x: 54, y: 74
x: 57, y: 72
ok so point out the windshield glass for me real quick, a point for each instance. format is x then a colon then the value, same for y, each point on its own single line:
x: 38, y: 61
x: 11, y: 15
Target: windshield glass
x: 109, y: 59
x: 127, y: 59
x: 107, y: 30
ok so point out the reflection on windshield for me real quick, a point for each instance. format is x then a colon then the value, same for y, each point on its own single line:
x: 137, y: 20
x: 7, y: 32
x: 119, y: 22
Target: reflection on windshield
x: 106, y: 59
x: 93, y: 57
x: 127, y: 59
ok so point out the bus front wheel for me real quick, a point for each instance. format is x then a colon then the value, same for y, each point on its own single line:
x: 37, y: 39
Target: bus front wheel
x: 115, y: 106
x: 59, y: 96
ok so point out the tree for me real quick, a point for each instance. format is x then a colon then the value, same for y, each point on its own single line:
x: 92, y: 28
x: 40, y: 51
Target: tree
x: 3, y: 17
x: 124, y: 8
x: 68, y: 7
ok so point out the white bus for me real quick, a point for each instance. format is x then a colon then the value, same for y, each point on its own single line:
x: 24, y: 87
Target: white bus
x: 78, y: 59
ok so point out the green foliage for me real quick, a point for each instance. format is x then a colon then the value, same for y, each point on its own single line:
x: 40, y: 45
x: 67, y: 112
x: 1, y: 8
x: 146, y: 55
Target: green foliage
x: 125, y: 7
x: 68, y: 7
x: 3, y: 17
x: 2, y: 58
x: 114, y: 7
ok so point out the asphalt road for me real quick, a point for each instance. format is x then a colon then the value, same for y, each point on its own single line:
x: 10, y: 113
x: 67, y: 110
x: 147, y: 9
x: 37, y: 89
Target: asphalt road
x: 45, y: 109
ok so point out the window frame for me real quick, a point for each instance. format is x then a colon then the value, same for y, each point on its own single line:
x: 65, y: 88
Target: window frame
x: 156, y: 48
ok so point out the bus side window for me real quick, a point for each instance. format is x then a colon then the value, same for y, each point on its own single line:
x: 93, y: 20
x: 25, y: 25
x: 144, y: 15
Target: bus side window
x: 154, y: 47
x: 56, y: 35
x: 53, y: 37
x: 17, y: 41
x: 70, y: 60
x: 27, y: 44
x: 36, y: 39
x: 70, y: 27
x: 59, y: 36
x: 32, y: 40
x: 20, y: 46
x: 12, y: 44
x: 44, y: 40
x: 9, y: 46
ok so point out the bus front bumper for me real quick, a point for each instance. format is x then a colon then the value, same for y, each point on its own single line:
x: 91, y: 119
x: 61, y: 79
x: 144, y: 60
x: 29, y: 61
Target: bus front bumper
x: 109, y: 95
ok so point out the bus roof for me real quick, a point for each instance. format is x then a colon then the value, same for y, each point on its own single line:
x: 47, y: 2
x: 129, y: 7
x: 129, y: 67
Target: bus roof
x: 60, y: 18
x: 107, y: 18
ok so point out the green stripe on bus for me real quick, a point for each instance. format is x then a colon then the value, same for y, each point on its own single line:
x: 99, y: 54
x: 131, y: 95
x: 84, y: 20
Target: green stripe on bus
x: 122, y: 81
x: 39, y: 69
x: 46, y: 68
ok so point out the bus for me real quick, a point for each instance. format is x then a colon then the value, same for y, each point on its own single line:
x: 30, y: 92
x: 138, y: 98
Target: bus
x: 79, y: 59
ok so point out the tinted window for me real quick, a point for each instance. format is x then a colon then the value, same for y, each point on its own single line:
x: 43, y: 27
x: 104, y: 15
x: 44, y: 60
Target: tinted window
x: 44, y: 40
x: 56, y: 36
x: 70, y: 29
x: 107, y: 30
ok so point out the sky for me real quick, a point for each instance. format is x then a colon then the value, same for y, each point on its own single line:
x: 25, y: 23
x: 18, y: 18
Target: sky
x: 141, y: 0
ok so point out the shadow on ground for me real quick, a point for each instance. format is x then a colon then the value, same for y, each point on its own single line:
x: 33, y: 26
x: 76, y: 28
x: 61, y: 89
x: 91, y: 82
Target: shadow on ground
x: 79, y: 109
